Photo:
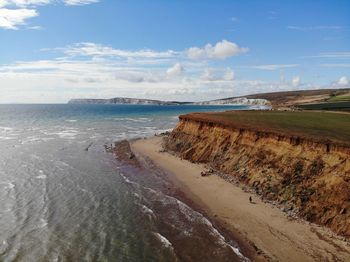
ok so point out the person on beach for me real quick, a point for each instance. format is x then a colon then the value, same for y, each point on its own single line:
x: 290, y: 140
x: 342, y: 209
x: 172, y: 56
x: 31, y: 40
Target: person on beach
x: 250, y: 199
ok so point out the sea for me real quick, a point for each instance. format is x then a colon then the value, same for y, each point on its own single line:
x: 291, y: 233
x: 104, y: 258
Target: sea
x: 63, y: 197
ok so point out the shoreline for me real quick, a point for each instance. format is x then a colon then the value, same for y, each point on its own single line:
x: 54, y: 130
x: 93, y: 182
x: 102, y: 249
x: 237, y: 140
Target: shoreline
x: 262, y: 225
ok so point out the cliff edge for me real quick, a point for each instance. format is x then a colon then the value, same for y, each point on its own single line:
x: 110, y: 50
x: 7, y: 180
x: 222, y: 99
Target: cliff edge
x: 302, y: 167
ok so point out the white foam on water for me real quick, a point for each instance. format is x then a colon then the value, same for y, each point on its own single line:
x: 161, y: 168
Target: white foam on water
x: 32, y: 139
x: 127, y: 180
x: 6, y: 138
x: 136, y: 195
x: 136, y: 120
x: 147, y: 210
x: 192, y: 216
x: 164, y: 240
x: 67, y: 134
x: 3, y: 246
x: 41, y: 177
x: 10, y: 185
x: 42, y: 223
x: 5, y: 128
x: 222, y: 241
x: 71, y: 120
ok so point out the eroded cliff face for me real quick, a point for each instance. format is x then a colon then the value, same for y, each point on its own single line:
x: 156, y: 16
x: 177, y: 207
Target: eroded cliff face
x: 309, y: 177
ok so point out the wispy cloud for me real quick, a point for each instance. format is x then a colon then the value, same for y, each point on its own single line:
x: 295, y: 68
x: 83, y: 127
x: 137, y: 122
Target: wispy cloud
x: 272, y: 67
x: 312, y: 28
x: 272, y: 15
x: 194, y: 55
x: 95, y: 70
x: 14, y: 13
x: 110, y: 71
x: 336, y: 65
x: 93, y: 49
x: 330, y: 55
x: 36, y: 27
x: 80, y: 2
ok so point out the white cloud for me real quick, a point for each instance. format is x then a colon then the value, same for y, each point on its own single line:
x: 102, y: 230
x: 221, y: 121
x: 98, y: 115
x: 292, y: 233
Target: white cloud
x: 208, y: 75
x: 102, y: 72
x: 229, y: 75
x: 274, y: 66
x: 343, y: 81
x: 176, y: 70
x: 296, y: 81
x: 221, y: 50
x: 36, y: 27
x: 23, y: 3
x: 80, y: 2
x: 93, y: 49
x: 218, y: 75
x: 11, y: 18
x: 14, y: 13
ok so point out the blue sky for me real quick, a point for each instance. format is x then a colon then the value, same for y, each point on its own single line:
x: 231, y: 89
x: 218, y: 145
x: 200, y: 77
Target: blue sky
x: 54, y: 50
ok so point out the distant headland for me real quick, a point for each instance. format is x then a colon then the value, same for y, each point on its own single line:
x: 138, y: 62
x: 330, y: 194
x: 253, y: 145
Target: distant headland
x: 323, y: 99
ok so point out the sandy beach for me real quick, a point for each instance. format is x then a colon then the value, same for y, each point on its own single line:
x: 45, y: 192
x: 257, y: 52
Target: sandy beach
x: 264, y: 225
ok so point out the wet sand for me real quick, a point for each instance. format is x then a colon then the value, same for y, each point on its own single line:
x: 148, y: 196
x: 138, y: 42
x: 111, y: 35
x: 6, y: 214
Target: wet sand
x: 267, y: 227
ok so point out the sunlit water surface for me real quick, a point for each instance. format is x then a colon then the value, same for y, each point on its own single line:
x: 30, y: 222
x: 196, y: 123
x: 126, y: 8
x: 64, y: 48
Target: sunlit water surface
x: 62, y: 202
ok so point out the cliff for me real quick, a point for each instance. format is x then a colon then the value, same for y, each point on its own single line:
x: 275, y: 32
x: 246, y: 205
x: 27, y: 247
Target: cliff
x: 139, y: 101
x: 306, y: 175
x: 236, y: 101
x: 124, y: 100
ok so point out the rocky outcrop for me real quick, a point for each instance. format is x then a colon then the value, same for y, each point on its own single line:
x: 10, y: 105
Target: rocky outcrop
x: 307, y: 176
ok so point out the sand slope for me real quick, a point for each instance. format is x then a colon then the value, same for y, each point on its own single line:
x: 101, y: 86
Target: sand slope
x: 266, y: 226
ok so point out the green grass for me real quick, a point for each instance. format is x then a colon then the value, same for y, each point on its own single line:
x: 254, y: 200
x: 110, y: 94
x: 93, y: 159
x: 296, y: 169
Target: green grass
x: 320, y: 125
x: 339, y: 99
x: 336, y: 106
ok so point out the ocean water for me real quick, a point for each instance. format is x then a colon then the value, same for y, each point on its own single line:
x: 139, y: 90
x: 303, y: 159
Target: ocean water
x: 63, y: 198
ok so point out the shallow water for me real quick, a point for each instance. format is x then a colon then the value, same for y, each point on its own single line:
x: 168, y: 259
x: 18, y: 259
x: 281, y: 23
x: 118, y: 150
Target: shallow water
x: 63, y: 198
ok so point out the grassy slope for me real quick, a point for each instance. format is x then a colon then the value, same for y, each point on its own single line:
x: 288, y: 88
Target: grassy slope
x: 339, y: 98
x: 317, y: 125
x: 330, y: 106
x: 294, y: 98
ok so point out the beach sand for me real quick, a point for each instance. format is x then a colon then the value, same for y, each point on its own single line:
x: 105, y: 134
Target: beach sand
x: 264, y: 225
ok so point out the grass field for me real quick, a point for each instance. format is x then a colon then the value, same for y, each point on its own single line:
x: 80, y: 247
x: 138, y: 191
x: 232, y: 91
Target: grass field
x: 339, y: 99
x: 317, y: 125
x: 335, y: 106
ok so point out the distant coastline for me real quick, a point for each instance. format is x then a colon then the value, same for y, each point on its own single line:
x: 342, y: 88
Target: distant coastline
x: 139, y: 101
x: 319, y: 99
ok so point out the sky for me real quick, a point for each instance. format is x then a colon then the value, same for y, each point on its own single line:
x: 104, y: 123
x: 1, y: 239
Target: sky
x: 55, y: 50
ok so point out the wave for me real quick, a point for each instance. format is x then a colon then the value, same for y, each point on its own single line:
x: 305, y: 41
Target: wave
x: 182, y: 216
x: 136, y: 120
x: 163, y: 240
